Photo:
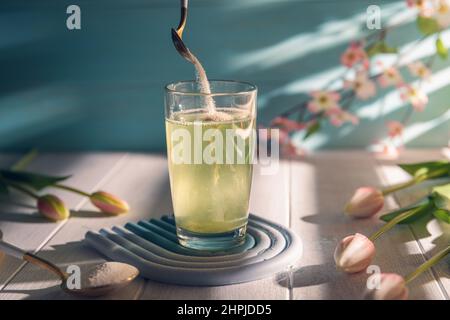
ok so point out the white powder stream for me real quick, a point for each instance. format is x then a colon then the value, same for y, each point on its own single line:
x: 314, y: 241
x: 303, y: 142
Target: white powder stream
x: 205, y: 88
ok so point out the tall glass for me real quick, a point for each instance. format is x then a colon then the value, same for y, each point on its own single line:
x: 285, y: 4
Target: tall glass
x: 210, y: 147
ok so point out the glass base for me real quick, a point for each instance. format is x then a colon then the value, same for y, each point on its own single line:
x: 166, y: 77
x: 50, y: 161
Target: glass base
x: 211, y: 241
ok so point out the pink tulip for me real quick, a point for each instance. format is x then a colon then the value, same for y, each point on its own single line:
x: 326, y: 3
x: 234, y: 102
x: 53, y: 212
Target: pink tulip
x: 109, y: 203
x: 52, y: 207
x: 391, y: 287
x: 366, y: 202
x: 354, y: 253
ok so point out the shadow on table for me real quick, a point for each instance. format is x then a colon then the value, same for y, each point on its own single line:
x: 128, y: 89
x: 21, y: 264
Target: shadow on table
x: 36, y: 217
x: 327, y: 273
x: 321, y: 274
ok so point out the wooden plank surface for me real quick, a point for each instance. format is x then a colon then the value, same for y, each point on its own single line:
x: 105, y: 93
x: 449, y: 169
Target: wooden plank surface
x: 307, y: 194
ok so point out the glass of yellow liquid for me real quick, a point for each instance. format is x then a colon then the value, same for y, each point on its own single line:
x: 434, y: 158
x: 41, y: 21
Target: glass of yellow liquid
x: 211, y: 147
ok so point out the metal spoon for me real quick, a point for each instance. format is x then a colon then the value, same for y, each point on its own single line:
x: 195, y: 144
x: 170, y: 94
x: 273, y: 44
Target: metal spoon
x: 127, y: 273
x: 178, y: 34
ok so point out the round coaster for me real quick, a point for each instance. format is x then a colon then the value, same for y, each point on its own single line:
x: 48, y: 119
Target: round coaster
x: 152, y: 247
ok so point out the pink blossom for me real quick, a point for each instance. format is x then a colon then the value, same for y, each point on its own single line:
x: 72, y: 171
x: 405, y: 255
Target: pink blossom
x: 426, y: 8
x: 288, y: 124
x: 290, y: 150
x: 419, y: 69
x: 338, y: 117
x: 364, y: 87
x: 354, y: 54
x: 283, y: 137
x: 415, y: 96
x: 390, y: 76
x: 323, y: 101
x: 442, y: 14
x: 387, y: 150
x: 395, y: 128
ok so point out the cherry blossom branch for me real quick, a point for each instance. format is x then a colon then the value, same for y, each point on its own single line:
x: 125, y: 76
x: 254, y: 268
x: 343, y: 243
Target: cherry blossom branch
x: 358, y: 58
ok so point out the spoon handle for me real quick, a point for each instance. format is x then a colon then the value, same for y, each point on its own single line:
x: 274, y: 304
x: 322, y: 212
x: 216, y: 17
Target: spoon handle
x: 11, y: 250
x: 14, y: 251
x: 183, y: 17
x: 40, y: 262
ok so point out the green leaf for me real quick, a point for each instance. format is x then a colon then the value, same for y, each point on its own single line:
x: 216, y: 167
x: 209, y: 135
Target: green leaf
x: 428, y: 168
x: 25, y: 160
x: 426, y: 209
x: 312, y: 129
x: 427, y: 26
x: 443, y: 215
x: 380, y: 47
x: 34, y: 180
x: 441, y: 49
x: 441, y: 196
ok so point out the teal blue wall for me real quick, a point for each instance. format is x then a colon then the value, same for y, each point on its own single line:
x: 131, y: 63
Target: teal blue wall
x: 102, y: 87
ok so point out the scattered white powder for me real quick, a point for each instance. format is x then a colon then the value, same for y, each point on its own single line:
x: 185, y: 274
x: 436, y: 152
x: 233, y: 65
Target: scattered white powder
x: 217, y: 116
x: 107, y: 273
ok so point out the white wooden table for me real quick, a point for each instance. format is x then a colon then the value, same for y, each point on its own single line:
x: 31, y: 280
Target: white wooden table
x: 306, y: 194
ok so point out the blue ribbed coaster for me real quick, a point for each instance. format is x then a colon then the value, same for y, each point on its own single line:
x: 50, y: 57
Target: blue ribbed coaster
x: 152, y: 247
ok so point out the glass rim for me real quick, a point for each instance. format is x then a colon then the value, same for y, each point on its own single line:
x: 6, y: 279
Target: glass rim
x: 252, y: 89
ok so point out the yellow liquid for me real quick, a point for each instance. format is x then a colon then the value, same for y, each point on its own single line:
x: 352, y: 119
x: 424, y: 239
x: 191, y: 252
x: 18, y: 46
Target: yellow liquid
x: 211, y: 198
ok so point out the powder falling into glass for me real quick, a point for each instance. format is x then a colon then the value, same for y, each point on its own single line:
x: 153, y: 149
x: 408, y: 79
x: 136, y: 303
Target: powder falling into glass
x: 205, y: 88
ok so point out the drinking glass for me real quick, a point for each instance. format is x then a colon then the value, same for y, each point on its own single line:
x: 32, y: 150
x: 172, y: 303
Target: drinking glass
x: 210, y: 147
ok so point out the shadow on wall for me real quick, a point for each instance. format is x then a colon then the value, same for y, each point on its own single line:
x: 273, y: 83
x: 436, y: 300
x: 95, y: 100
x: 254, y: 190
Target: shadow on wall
x: 101, y: 87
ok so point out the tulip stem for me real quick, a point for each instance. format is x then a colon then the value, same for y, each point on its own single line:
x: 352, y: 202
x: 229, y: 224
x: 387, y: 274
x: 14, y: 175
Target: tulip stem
x: 22, y: 189
x: 399, y: 186
x: 426, y: 265
x: 413, y: 181
x: 67, y: 188
x: 394, y: 221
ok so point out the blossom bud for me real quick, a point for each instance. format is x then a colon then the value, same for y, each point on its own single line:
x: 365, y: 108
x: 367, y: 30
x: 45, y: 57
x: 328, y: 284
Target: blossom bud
x: 391, y: 286
x: 109, y: 203
x: 365, y: 202
x: 52, y: 207
x: 354, y: 253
